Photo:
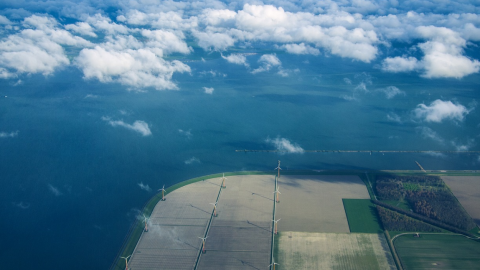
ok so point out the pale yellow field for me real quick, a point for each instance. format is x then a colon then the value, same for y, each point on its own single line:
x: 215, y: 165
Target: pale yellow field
x: 346, y: 251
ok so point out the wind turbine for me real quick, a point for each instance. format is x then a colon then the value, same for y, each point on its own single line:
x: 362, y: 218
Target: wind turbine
x: 278, y: 168
x: 214, y: 209
x: 163, y: 192
x: 277, y: 192
x: 276, y: 221
x: 203, y: 243
x: 223, y: 181
x: 145, y: 220
x: 126, y: 261
x: 273, y: 264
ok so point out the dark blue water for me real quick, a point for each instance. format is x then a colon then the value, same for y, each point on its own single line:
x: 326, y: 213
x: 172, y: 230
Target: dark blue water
x: 70, y: 181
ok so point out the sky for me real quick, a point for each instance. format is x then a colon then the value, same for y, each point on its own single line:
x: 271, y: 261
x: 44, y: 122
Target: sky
x: 100, y: 99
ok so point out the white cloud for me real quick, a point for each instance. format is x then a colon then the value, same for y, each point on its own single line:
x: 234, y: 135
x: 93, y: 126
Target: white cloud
x: 238, y: 59
x: 443, y: 55
x: 208, y: 90
x: 54, y: 190
x: 136, y: 68
x: 428, y: 133
x: 284, y: 145
x: 144, y: 187
x: 399, y: 64
x: 82, y: 28
x: 192, y: 160
x: 440, y: 110
x: 105, y: 24
x: 300, y: 49
x: 12, y: 134
x: 347, y: 81
x: 37, y: 50
x: 391, y: 91
x: 267, y: 61
x: 213, y: 41
x: 167, y: 42
x: 137, y: 126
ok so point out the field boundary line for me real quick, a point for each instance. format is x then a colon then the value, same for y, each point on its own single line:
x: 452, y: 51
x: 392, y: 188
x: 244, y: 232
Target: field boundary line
x: 273, y: 225
x: 207, y: 229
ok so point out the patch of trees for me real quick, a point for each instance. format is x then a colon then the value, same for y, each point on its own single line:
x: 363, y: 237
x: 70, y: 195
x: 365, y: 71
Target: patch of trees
x: 423, y: 218
x: 440, y: 205
x: 394, y: 187
x: 427, y: 195
x: 394, y: 221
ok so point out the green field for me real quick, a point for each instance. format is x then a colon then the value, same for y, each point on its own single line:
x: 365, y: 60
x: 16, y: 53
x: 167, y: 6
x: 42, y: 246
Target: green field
x: 362, y: 216
x: 436, y: 251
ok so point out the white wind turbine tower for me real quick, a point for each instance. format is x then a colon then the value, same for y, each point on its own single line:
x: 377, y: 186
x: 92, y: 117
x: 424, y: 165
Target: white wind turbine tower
x: 276, y: 221
x: 126, y: 261
x: 223, y: 181
x: 163, y: 192
x: 203, y: 243
x: 214, y: 209
x: 273, y: 264
x: 145, y: 221
x: 276, y: 195
x: 278, y: 169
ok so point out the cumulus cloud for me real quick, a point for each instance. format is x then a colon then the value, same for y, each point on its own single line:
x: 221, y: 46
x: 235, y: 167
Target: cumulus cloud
x: 238, y: 59
x: 284, y: 145
x: 12, y: 134
x: 54, y: 190
x: 192, y: 160
x: 213, y: 41
x: 144, y: 187
x: 267, y: 61
x: 300, y: 49
x: 82, y: 28
x: 37, y: 49
x: 400, y: 64
x: 135, y: 68
x: 428, y: 133
x: 137, y: 126
x: 208, y: 90
x: 440, y: 110
x: 443, y: 55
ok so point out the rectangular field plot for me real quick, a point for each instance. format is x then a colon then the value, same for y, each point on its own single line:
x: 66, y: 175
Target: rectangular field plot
x: 362, y: 216
x: 301, y: 250
x: 174, y: 227
x: 437, y: 252
x: 240, y: 236
x: 467, y: 191
x: 313, y: 203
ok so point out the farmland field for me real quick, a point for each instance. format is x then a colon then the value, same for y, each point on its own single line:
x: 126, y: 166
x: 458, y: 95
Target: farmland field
x: 437, y: 251
x: 313, y: 203
x: 467, y: 191
x: 348, y: 251
x: 362, y: 216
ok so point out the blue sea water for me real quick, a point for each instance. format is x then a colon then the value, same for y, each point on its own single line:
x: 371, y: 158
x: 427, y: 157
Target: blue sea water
x: 70, y: 181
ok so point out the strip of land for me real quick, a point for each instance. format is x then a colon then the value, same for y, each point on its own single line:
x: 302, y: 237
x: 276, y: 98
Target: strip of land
x: 174, y: 227
x: 240, y: 236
